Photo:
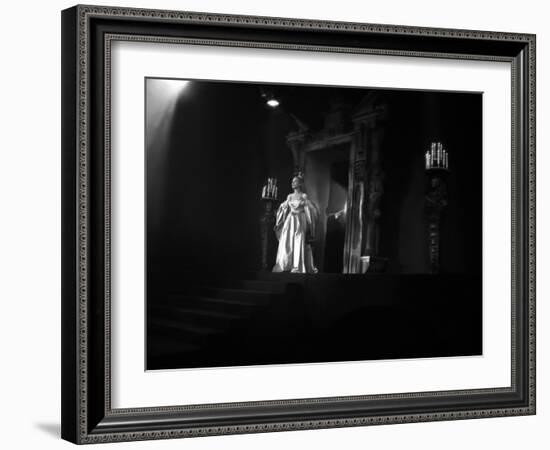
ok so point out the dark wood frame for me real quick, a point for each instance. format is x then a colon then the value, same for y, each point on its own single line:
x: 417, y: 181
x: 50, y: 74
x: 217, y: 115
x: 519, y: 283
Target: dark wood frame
x: 87, y: 416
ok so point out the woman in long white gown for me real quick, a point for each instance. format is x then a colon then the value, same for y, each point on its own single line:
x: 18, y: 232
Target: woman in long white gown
x: 295, y: 226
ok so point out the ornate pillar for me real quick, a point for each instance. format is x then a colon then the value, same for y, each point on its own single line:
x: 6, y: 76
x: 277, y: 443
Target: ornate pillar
x: 366, y: 186
x: 375, y: 190
x: 436, y: 201
x: 355, y: 202
x: 267, y: 235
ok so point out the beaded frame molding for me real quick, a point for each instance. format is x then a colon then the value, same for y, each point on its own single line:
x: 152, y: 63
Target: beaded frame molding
x: 87, y: 35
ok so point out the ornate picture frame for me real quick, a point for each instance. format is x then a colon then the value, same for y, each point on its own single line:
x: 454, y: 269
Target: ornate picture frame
x: 87, y: 413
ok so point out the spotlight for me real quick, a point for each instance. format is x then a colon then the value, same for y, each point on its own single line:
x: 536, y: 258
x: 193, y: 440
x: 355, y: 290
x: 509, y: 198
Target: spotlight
x: 273, y: 103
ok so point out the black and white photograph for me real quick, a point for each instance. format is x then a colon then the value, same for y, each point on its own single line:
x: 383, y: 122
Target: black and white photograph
x: 292, y: 223
x: 279, y: 220
x: 275, y: 225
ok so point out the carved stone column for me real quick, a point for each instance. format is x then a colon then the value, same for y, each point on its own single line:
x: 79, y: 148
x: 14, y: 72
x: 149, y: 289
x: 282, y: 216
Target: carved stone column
x: 375, y: 191
x: 267, y: 235
x: 369, y: 120
x: 355, y: 203
x: 436, y: 201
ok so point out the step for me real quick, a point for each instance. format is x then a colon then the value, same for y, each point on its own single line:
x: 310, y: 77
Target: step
x: 267, y: 286
x: 232, y: 293
x: 207, y: 303
x: 185, y: 332
x: 198, y: 315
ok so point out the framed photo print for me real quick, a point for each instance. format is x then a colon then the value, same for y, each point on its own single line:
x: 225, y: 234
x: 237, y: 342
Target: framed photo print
x: 278, y: 224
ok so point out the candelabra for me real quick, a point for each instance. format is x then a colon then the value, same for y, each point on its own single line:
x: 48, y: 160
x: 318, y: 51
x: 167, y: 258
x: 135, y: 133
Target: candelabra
x: 270, y: 189
x: 267, y: 221
x: 436, y: 157
x: 437, y: 172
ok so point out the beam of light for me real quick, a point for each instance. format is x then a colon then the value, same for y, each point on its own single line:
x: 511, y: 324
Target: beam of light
x: 162, y: 97
x: 273, y: 103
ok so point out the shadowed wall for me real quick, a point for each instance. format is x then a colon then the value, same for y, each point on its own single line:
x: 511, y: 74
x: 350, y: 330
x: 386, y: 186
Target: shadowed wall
x: 211, y: 146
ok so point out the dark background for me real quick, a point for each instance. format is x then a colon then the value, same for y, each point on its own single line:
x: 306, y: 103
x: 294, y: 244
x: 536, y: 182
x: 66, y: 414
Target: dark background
x: 209, y: 150
x: 208, y: 162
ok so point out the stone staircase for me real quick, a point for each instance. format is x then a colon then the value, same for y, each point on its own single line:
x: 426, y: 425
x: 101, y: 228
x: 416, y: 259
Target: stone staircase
x: 211, y: 322
x: 205, y: 320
